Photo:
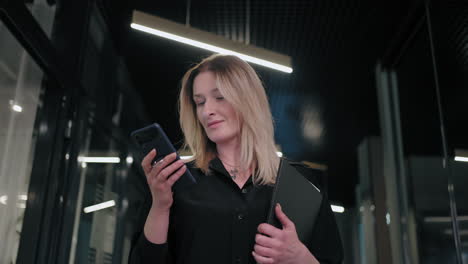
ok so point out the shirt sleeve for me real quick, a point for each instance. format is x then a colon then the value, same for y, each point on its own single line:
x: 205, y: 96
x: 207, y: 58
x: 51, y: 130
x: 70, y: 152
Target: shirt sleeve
x: 143, y: 251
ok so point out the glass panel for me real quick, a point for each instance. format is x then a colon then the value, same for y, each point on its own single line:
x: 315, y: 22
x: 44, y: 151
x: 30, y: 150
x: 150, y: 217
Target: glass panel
x: 426, y: 178
x: 43, y: 13
x: 95, y: 229
x: 20, y: 88
x: 449, y: 21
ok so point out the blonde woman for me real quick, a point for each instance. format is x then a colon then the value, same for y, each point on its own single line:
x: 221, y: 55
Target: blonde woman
x: 227, y: 124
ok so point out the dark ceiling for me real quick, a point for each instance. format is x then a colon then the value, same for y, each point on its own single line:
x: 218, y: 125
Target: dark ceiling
x: 322, y: 111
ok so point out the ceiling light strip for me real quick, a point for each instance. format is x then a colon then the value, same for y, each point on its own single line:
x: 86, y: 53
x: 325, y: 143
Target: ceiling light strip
x: 210, y: 47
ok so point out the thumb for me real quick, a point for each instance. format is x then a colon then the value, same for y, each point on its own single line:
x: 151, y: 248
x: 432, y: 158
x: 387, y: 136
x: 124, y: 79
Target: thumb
x: 282, y: 217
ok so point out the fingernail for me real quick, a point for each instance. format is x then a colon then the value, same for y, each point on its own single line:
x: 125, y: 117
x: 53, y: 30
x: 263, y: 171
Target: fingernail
x: 279, y: 205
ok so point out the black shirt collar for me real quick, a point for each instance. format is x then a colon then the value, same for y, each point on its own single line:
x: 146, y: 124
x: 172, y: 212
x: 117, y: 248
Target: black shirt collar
x: 217, y: 166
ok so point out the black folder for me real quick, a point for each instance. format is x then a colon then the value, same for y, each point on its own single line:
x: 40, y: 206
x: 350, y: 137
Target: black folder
x: 300, y: 200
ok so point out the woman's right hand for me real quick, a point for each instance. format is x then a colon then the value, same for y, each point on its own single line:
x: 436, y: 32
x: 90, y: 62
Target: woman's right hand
x: 160, y: 177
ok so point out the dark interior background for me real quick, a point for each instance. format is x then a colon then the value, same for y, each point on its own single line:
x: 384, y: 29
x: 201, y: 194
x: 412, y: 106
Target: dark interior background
x: 323, y: 109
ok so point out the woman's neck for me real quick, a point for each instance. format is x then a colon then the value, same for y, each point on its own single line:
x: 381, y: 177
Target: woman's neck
x: 229, y: 152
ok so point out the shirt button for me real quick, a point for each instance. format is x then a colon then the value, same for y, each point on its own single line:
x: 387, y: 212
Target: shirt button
x: 244, y: 190
x: 240, y: 216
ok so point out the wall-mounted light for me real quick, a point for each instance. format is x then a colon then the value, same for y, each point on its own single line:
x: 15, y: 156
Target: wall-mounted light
x: 22, y: 198
x: 337, y: 208
x: 99, y: 206
x: 99, y: 159
x: 461, y: 155
x: 209, y: 41
x: 444, y: 219
x: 16, y: 107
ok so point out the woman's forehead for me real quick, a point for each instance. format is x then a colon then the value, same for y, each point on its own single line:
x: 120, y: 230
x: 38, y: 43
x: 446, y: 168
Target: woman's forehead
x: 203, y: 92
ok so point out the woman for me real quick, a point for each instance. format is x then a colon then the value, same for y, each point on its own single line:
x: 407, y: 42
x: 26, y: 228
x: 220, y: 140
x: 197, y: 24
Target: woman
x: 226, y: 120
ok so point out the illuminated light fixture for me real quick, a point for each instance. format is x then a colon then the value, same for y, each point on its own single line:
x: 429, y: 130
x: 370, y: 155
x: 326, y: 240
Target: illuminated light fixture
x: 461, y: 155
x: 99, y: 206
x: 279, y: 153
x: 3, y: 199
x: 458, y: 158
x: 21, y: 200
x: 17, y: 108
x: 209, y: 41
x: 444, y: 219
x: 337, y: 208
x: 99, y: 159
x: 129, y: 160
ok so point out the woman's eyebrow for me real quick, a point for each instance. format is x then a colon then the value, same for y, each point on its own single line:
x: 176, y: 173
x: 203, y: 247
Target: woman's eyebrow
x: 214, y: 90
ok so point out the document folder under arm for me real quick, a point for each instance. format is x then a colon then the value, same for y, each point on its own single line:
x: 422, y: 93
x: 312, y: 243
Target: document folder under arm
x: 300, y: 200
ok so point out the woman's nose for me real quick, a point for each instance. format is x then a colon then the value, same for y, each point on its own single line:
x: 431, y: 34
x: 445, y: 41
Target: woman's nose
x: 208, y: 108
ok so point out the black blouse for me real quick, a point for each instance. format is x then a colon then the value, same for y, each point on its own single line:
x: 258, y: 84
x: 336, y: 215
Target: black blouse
x: 215, y: 221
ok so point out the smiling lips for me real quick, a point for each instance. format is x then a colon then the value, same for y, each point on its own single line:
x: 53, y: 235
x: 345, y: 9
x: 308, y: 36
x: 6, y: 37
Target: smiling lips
x: 214, y: 123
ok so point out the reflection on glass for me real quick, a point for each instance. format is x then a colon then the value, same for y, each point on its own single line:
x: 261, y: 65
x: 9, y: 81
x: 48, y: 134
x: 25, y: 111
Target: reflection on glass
x: 94, y: 235
x: 20, y: 86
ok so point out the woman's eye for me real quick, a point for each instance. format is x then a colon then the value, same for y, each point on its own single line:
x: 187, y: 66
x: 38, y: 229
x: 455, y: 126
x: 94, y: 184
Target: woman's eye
x: 220, y: 98
x: 200, y: 103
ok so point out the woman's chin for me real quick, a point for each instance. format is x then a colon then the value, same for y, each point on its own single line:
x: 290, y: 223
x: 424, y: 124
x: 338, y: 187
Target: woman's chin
x: 220, y: 139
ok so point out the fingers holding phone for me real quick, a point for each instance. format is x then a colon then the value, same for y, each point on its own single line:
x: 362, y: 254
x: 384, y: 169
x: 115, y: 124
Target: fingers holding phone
x: 161, y: 176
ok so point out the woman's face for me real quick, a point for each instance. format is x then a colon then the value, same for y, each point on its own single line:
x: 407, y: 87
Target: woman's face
x: 217, y: 116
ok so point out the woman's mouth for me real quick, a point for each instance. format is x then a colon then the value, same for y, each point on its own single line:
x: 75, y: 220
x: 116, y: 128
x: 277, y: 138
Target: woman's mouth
x: 214, y: 123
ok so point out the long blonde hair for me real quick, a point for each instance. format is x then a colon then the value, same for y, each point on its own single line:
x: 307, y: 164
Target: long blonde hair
x: 239, y: 84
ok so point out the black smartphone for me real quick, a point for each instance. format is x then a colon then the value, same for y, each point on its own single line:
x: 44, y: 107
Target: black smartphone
x: 153, y: 137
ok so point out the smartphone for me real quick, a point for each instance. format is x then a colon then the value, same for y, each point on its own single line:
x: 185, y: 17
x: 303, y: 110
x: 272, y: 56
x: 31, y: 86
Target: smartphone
x: 153, y: 137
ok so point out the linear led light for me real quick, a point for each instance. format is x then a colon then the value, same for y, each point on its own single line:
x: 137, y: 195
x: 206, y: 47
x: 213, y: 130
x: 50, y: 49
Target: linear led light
x: 99, y: 206
x: 99, y: 159
x: 337, y: 208
x: 444, y: 219
x: 208, y: 41
x: 458, y: 158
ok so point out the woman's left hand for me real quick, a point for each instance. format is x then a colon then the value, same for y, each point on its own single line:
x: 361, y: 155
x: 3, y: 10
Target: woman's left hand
x: 273, y: 245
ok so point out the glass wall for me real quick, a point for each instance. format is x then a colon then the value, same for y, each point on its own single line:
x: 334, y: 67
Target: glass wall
x: 449, y: 24
x: 20, y: 88
x: 423, y: 116
x: 102, y: 172
x: 20, y: 100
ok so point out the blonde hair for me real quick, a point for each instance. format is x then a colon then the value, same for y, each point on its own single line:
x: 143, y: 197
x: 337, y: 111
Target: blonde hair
x: 239, y: 84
